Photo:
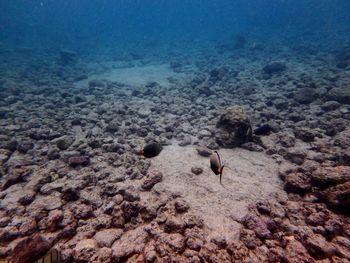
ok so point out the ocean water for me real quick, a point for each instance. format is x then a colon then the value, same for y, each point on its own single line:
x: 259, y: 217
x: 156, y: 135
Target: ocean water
x: 247, y: 103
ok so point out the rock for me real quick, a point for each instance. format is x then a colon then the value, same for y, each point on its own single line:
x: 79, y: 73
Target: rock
x: 132, y: 242
x: 256, y: 224
x: 274, y: 67
x: 85, y: 250
x: 318, y: 247
x: 113, y: 126
x: 295, y: 252
x: 106, y: 237
x: 341, y: 95
x: 325, y: 177
x: 295, y: 156
x: 174, y: 224
x: 197, y: 170
x: 130, y: 210
x: 51, y: 223
x: 63, y: 142
x: 202, y: 151
x: 305, y: 95
x: 75, y: 161
x: 30, y: 249
x: 14, y: 177
x: 233, y: 128
x: 181, y: 206
x: 338, y: 196
x: 330, y: 105
x: 151, y: 180
x: 304, y: 135
x: 251, y: 146
x: 297, y: 183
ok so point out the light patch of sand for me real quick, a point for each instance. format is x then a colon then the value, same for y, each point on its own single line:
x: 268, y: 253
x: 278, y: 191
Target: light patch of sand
x: 253, y: 177
x: 137, y: 76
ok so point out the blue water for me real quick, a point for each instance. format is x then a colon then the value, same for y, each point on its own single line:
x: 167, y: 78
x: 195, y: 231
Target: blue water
x: 83, y: 24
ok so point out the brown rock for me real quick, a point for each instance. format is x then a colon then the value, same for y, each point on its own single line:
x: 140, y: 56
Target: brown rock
x: 174, y: 224
x: 51, y: 223
x: 318, y: 247
x: 30, y: 249
x: 203, y: 151
x: 86, y: 250
x: 106, y: 237
x: 295, y: 252
x: 181, y: 206
x: 131, y: 242
x: 330, y: 176
x: 257, y: 224
x: 78, y: 160
x: 197, y: 170
x: 152, y: 179
x: 338, y: 196
x: 297, y: 183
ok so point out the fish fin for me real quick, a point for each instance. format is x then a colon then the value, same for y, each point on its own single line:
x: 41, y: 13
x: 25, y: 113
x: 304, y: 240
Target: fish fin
x: 221, y: 170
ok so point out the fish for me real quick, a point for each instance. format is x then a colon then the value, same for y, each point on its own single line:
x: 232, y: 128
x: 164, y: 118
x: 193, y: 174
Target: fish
x: 215, y: 164
x: 151, y: 149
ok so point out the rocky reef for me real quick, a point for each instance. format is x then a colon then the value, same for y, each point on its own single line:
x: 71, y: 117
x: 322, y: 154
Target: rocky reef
x: 70, y: 177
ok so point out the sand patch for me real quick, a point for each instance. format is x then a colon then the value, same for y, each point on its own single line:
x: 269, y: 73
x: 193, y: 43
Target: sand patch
x: 137, y: 75
x: 253, y: 177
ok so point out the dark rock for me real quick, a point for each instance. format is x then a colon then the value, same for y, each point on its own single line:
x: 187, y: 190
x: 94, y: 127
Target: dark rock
x: 339, y: 94
x: 305, y: 95
x: 274, y: 67
x: 78, y: 160
x: 174, y: 224
x: 24, y: 146
x: 152, y: 179
x: 63, y: 142
x: 96, y: 83
x: 338, y: 196
x: 130, y: 210
x: 264, y: 129
x: 197, y: 170
x: 330, y: 176
x: 297, y: 183
x: 256, y: 224
x: 181, y: 206
x: 330, y: 105
x: 202, y: 151
x: 304, y: 135
x: 233, y: 128
x: 113, y: 126
x: 295, y: 252
x: 295, y: 156
x: 318, y: 247
x: 30, y: 249
x: 70, y: 194
x: 251, y: 146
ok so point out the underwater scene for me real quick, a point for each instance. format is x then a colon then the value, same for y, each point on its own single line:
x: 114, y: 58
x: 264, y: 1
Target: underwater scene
x: 174, y: 131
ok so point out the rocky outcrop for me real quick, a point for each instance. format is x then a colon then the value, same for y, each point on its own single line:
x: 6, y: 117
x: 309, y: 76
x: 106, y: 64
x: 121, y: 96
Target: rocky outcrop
x: 233, y: 128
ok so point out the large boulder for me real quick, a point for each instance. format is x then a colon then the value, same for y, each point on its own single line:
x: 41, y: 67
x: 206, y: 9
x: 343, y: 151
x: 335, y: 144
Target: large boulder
x: 338, y: 196
x: 339, y: 94
x: 233, y: 128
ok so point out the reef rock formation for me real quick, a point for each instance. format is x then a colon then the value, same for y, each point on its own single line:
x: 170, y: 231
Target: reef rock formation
x: 233, y: 128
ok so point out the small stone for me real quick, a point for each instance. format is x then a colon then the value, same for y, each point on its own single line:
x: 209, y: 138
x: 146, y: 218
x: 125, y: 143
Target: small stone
x: 202, y: 151
x: 197, y: 170
x: 130, y: 210
x: 78, y: 160
x: 63, y: 142
x: 85, y: 249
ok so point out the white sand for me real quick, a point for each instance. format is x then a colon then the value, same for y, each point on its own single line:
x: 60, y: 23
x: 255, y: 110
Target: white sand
x: 253, y: 177
x: 137, y: 75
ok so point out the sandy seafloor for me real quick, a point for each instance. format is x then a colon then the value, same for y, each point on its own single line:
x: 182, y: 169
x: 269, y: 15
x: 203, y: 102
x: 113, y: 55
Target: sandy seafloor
x: 284, y: 196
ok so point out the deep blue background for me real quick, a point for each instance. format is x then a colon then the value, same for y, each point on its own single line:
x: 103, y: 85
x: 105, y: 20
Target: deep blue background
x: 79, y: 23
